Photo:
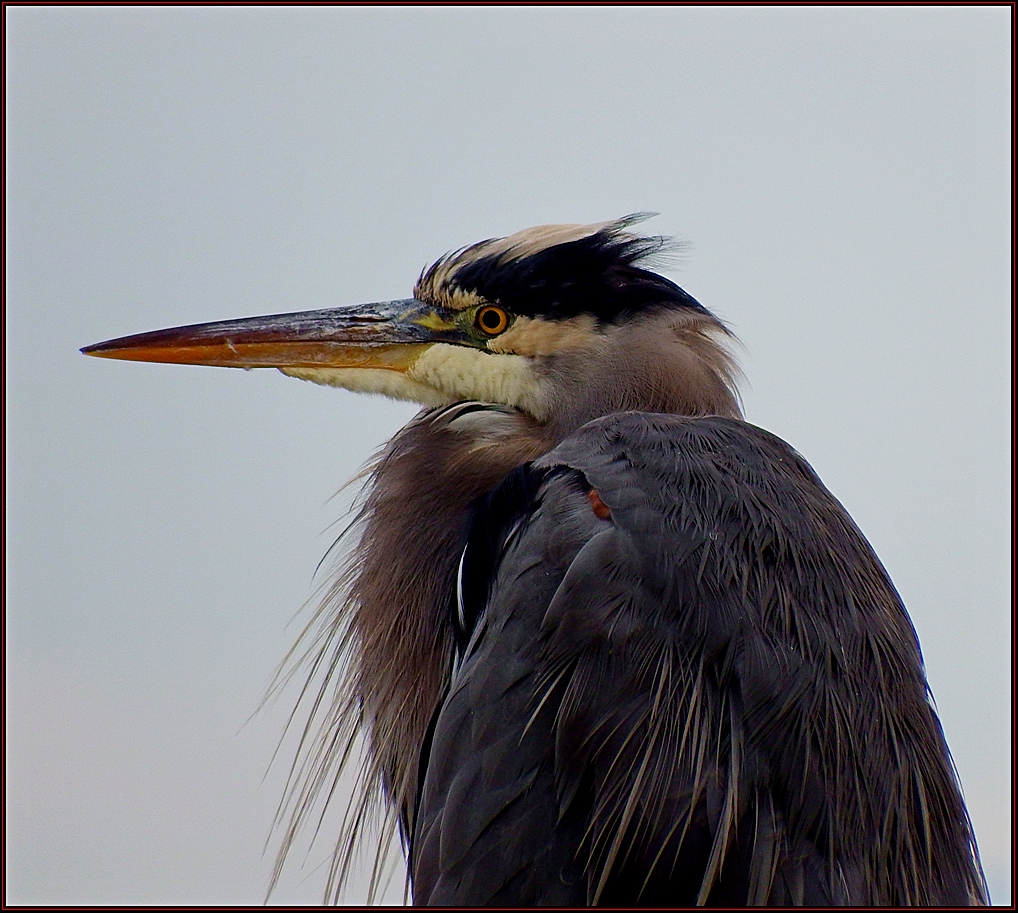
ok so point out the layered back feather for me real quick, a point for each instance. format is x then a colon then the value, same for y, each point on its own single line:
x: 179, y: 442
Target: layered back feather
x: 706, y: 691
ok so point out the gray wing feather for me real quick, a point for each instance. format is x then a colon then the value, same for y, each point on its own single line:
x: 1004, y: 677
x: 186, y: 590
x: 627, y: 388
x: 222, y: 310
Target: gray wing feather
x: 713, y: 695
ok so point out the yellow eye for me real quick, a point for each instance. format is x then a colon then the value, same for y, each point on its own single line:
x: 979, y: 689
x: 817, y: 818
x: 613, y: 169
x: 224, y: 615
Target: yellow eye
x: 491, y: 320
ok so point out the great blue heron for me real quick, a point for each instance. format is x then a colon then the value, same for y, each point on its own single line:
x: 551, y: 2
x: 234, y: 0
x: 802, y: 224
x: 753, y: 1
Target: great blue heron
x: 606, y: 642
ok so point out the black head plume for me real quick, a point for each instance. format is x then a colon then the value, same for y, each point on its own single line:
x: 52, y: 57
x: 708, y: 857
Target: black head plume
x: 557, y: 272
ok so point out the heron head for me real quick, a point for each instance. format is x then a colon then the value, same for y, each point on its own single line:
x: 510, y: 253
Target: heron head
x: 550, y: 315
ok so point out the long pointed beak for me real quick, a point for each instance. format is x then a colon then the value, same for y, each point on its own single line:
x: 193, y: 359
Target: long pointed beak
x: 386, y: 334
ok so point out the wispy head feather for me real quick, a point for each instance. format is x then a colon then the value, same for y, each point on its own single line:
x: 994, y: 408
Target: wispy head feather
x: 560, y: 271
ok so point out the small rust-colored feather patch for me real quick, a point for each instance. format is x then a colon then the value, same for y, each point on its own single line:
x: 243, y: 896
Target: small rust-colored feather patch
x: 600, y: 508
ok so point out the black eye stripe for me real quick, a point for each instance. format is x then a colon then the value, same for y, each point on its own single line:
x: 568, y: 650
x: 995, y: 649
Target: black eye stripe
x: 602, y: 274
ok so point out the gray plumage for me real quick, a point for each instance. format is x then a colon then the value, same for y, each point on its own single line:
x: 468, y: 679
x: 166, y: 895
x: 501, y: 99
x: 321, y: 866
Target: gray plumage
x: 715, y: 694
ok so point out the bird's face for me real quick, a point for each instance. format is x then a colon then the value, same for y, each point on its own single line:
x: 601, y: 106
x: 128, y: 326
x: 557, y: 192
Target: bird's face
x: 426, y: 352
x: 485, y: 323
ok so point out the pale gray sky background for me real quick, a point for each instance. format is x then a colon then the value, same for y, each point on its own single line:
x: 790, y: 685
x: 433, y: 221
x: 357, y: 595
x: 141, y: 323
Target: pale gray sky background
x: 842, y: 177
